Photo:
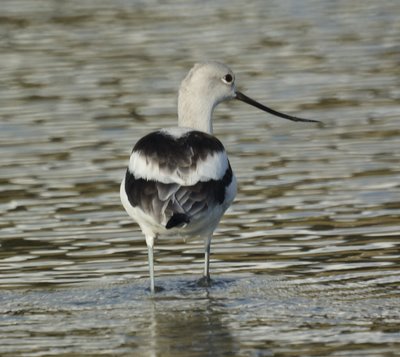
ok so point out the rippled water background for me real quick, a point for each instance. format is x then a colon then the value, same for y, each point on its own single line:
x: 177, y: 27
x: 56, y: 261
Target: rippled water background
x: 307, y: 260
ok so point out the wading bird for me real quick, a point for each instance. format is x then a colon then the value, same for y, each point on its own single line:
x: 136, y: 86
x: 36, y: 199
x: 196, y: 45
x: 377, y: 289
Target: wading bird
x: 179, y: 180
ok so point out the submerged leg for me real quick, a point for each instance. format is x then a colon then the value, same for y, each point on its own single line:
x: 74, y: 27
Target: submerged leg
x: 150, y: 249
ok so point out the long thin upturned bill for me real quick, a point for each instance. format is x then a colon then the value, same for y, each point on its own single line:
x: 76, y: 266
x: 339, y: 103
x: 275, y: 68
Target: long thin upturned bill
x: 240, y: 96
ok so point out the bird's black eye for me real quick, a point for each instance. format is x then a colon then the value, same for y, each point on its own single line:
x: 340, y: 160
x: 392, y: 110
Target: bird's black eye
x: 228, y: 78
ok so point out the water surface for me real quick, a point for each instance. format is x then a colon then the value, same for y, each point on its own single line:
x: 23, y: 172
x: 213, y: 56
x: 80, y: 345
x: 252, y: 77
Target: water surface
x: 306, y: 262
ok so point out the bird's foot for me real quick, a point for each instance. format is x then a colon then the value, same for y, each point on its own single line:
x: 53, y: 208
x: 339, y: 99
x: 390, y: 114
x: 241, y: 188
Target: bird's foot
x: 157, y: 289
x: 204, y: 282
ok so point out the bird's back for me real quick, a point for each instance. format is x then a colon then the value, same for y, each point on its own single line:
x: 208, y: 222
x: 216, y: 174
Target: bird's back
x: 179, y: 180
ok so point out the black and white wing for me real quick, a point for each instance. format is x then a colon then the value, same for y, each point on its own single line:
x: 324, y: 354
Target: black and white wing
x: 174, y: 175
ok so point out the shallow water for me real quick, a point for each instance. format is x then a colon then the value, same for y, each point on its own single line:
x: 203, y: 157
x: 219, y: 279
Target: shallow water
x: 307, y: 260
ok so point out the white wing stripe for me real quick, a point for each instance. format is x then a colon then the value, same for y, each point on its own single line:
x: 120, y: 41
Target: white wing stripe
x: 213, y: 167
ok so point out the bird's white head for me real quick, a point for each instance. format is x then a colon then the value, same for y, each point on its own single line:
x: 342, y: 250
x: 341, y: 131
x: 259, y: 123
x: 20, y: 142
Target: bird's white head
x: 206, y: 85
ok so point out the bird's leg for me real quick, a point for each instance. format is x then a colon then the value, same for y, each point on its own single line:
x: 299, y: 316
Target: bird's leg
x: 150, y: 249
x: 151, y: 268
x: 205, y: 280
x: 207, y: 246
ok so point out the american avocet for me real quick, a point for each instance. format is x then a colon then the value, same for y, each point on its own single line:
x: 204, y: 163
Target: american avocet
x: 179, y: 180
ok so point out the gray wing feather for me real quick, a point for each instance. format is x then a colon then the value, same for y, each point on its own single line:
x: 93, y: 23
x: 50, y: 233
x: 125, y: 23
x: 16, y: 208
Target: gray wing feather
x: 162, y: 201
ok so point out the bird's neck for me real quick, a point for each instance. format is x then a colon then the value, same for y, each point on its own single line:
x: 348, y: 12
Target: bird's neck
x: 195, y: 111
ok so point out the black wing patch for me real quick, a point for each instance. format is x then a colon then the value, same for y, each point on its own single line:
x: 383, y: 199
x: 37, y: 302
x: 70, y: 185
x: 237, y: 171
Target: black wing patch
x: 171, y: 152
x: 177, y: 219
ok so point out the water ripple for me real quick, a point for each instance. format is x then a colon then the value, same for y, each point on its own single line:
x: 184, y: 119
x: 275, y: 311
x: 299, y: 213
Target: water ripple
x: 305, y: 262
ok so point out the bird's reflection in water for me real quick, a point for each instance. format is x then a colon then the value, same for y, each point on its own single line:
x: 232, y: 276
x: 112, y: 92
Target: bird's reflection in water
x: 196, y: 328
